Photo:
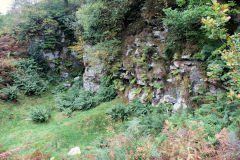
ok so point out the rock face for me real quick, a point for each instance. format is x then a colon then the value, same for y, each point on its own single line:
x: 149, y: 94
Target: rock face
x: 158, y: 79
x: 74, y: 151
x: 145, y: 71
x: 92, y: 77
x: 92, y: 74
x: 148, y: 74
x: 61, y: 58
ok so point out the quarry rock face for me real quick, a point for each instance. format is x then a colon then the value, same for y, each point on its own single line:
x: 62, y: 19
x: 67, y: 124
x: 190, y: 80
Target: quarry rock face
x: 62, y: 55
x: 92, y: 77
x: 158, y: 79
x: 146, y: 71
x: 92, y: 74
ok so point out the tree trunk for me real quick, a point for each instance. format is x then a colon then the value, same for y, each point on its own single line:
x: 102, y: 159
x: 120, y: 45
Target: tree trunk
x: 66, y: 3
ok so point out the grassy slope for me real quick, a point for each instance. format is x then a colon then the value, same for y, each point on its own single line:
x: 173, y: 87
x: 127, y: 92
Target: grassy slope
x: 60, y: 134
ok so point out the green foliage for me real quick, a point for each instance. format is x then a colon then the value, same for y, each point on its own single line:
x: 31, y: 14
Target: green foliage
x: 157, y: 86
x: 40, y: 114
x: 150, y: 119
x: 176, y: 72
x: 219, y: 114
x: 181, y: 3
x: 138, y: 108
x: 106, y: 94
x: 137, y: 91
x: 27, y: 20
x: 119, y: 112
x: 106, y: 91
x: 152, y: 123
x: 228, y: 70
x: 102, y: 19
x: 118, y: 85
x: 105, y: 53
x: 60, y: 88
x: 185, y: 26
x: 27, y: 78
x: 153, y: 120
x: 35, y: 52
x: 10, y: 93
x: 50, y: 42
x: 147, y: 50
x: 207, y: 50
x: 78, y: 99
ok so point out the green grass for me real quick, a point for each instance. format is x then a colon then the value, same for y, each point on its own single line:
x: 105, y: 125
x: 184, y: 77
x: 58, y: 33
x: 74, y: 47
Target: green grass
x: 57, y: 136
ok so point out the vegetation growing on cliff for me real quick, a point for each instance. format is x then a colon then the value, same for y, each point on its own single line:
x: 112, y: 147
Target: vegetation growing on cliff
x: 138, y: 48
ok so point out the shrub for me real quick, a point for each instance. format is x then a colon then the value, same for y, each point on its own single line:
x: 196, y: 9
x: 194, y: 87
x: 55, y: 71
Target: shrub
x: 152, y: 120
x: 152, y: 123
x: 106, y: 94
x: 27, y: 78
x: 40, y: 114
x: 84, y: 101
x: 106, y: 91
x: 30, y: 83
x: 28, y: 65
x: 9, y: 93
x: 35, y: 52
x: 217, y: 115
x: 138, y: 108
x: 76, y: 99
x: 102, y: 19
x: 119, y: 113
x: 60, y: 88
x: 54, y: 78
x: 185, y: 26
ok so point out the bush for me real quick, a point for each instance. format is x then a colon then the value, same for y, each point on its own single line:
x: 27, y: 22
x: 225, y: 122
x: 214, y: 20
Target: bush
x: 76, y: 99
x: 106, y: 94
x: 185, y: 25
x: 60, y: 88
x: 152, y: 123
x: 106, y: 91
x: 35, y: 52
x: 9, y: 93
x: 138, y: 108
x: 102, y: 19
x: 217, y: 115
x: 119, y: 113
x: 27, y: 78
x: 152, y: 119
x: 39, y: 114
x: 84, y: 101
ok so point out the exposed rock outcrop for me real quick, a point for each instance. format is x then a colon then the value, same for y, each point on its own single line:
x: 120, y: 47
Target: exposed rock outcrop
x: 148, y: 74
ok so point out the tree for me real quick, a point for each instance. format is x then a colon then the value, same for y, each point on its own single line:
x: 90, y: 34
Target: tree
x: 66, y: 3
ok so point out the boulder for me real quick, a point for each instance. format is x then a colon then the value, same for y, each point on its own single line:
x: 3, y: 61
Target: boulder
x: 74, y: 151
